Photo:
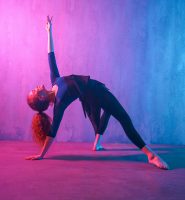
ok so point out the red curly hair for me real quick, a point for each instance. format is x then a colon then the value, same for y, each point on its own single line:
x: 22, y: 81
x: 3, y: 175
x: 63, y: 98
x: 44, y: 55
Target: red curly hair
x: 41, y: 122
x: 41, y: 125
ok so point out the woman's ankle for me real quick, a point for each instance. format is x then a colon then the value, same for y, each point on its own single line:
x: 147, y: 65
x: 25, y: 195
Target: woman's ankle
x: 148, y: 152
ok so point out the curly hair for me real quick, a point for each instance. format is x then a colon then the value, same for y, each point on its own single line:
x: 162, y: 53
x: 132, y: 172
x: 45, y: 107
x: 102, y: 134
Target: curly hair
x: 38, y: 102
x: 41, y: 122
x: 41, y: 125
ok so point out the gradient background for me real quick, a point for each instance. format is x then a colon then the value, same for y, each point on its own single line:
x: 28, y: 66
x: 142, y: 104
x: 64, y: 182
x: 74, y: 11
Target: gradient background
x: 136, y: 47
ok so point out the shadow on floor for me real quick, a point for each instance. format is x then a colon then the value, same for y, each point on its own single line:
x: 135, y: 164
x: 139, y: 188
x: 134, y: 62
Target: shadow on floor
x: 133, y: 158
x: 174, y: 158
x: 175, y: 149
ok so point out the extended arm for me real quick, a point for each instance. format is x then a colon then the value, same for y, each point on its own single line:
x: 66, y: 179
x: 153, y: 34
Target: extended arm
x: 54, y: 73
x: 50, y: 36
x: 57, y: 117
x: 46, y: 146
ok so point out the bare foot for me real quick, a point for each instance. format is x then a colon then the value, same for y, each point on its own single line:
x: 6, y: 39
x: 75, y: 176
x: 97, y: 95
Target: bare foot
x: 158, y: 162
x: 98, y: 148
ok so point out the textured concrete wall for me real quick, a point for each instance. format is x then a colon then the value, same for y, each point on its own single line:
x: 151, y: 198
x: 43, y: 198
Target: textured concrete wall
x: 136, y: 47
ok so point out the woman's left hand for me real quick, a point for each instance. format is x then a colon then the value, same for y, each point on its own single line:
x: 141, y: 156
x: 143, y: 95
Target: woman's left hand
x: 34, y: 157
x: 49, y: 24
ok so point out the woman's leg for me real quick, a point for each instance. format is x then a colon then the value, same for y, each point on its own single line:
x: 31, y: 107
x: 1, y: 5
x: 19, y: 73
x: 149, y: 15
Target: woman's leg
x: 103, y: 122
x: 112, y: 105
x: 94, y: 116
x: 94, y: 111
x: 102, y: 126
x: 99, y: 124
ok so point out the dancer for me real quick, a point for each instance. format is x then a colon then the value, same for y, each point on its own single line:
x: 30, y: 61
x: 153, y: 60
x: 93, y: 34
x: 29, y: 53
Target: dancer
x: 93, y: 95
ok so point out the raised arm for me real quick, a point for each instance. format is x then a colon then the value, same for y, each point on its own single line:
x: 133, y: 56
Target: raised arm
x: 54, y: 73
x: 50, y: 37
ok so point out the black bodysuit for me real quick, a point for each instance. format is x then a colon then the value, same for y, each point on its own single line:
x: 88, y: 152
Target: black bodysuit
x: 94, y: 96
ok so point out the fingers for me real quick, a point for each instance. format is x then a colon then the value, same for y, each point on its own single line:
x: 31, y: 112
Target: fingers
x: 49, y: 19
x: 29, y: 158
x: 33, y: 158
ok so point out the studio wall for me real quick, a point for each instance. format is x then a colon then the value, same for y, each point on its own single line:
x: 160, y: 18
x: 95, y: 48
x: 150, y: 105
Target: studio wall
x: 135, y: 47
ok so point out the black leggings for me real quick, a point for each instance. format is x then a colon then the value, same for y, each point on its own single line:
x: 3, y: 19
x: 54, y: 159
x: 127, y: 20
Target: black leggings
x: 102, y: 98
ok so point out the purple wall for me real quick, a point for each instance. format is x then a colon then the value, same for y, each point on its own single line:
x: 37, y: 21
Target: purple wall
x: 134, y: 46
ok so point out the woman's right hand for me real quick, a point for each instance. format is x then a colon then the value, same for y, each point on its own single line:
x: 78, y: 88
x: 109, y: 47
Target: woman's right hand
x: 34, y: 157
x: 49, y: 24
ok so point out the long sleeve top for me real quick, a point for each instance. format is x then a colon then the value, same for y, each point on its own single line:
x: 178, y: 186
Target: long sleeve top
x: 69, y: 89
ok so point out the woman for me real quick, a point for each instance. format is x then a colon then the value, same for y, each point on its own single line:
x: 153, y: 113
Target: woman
x: 93, y: 95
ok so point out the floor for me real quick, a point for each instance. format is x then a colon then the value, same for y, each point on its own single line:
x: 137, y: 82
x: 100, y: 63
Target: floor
x: 71, y: 171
